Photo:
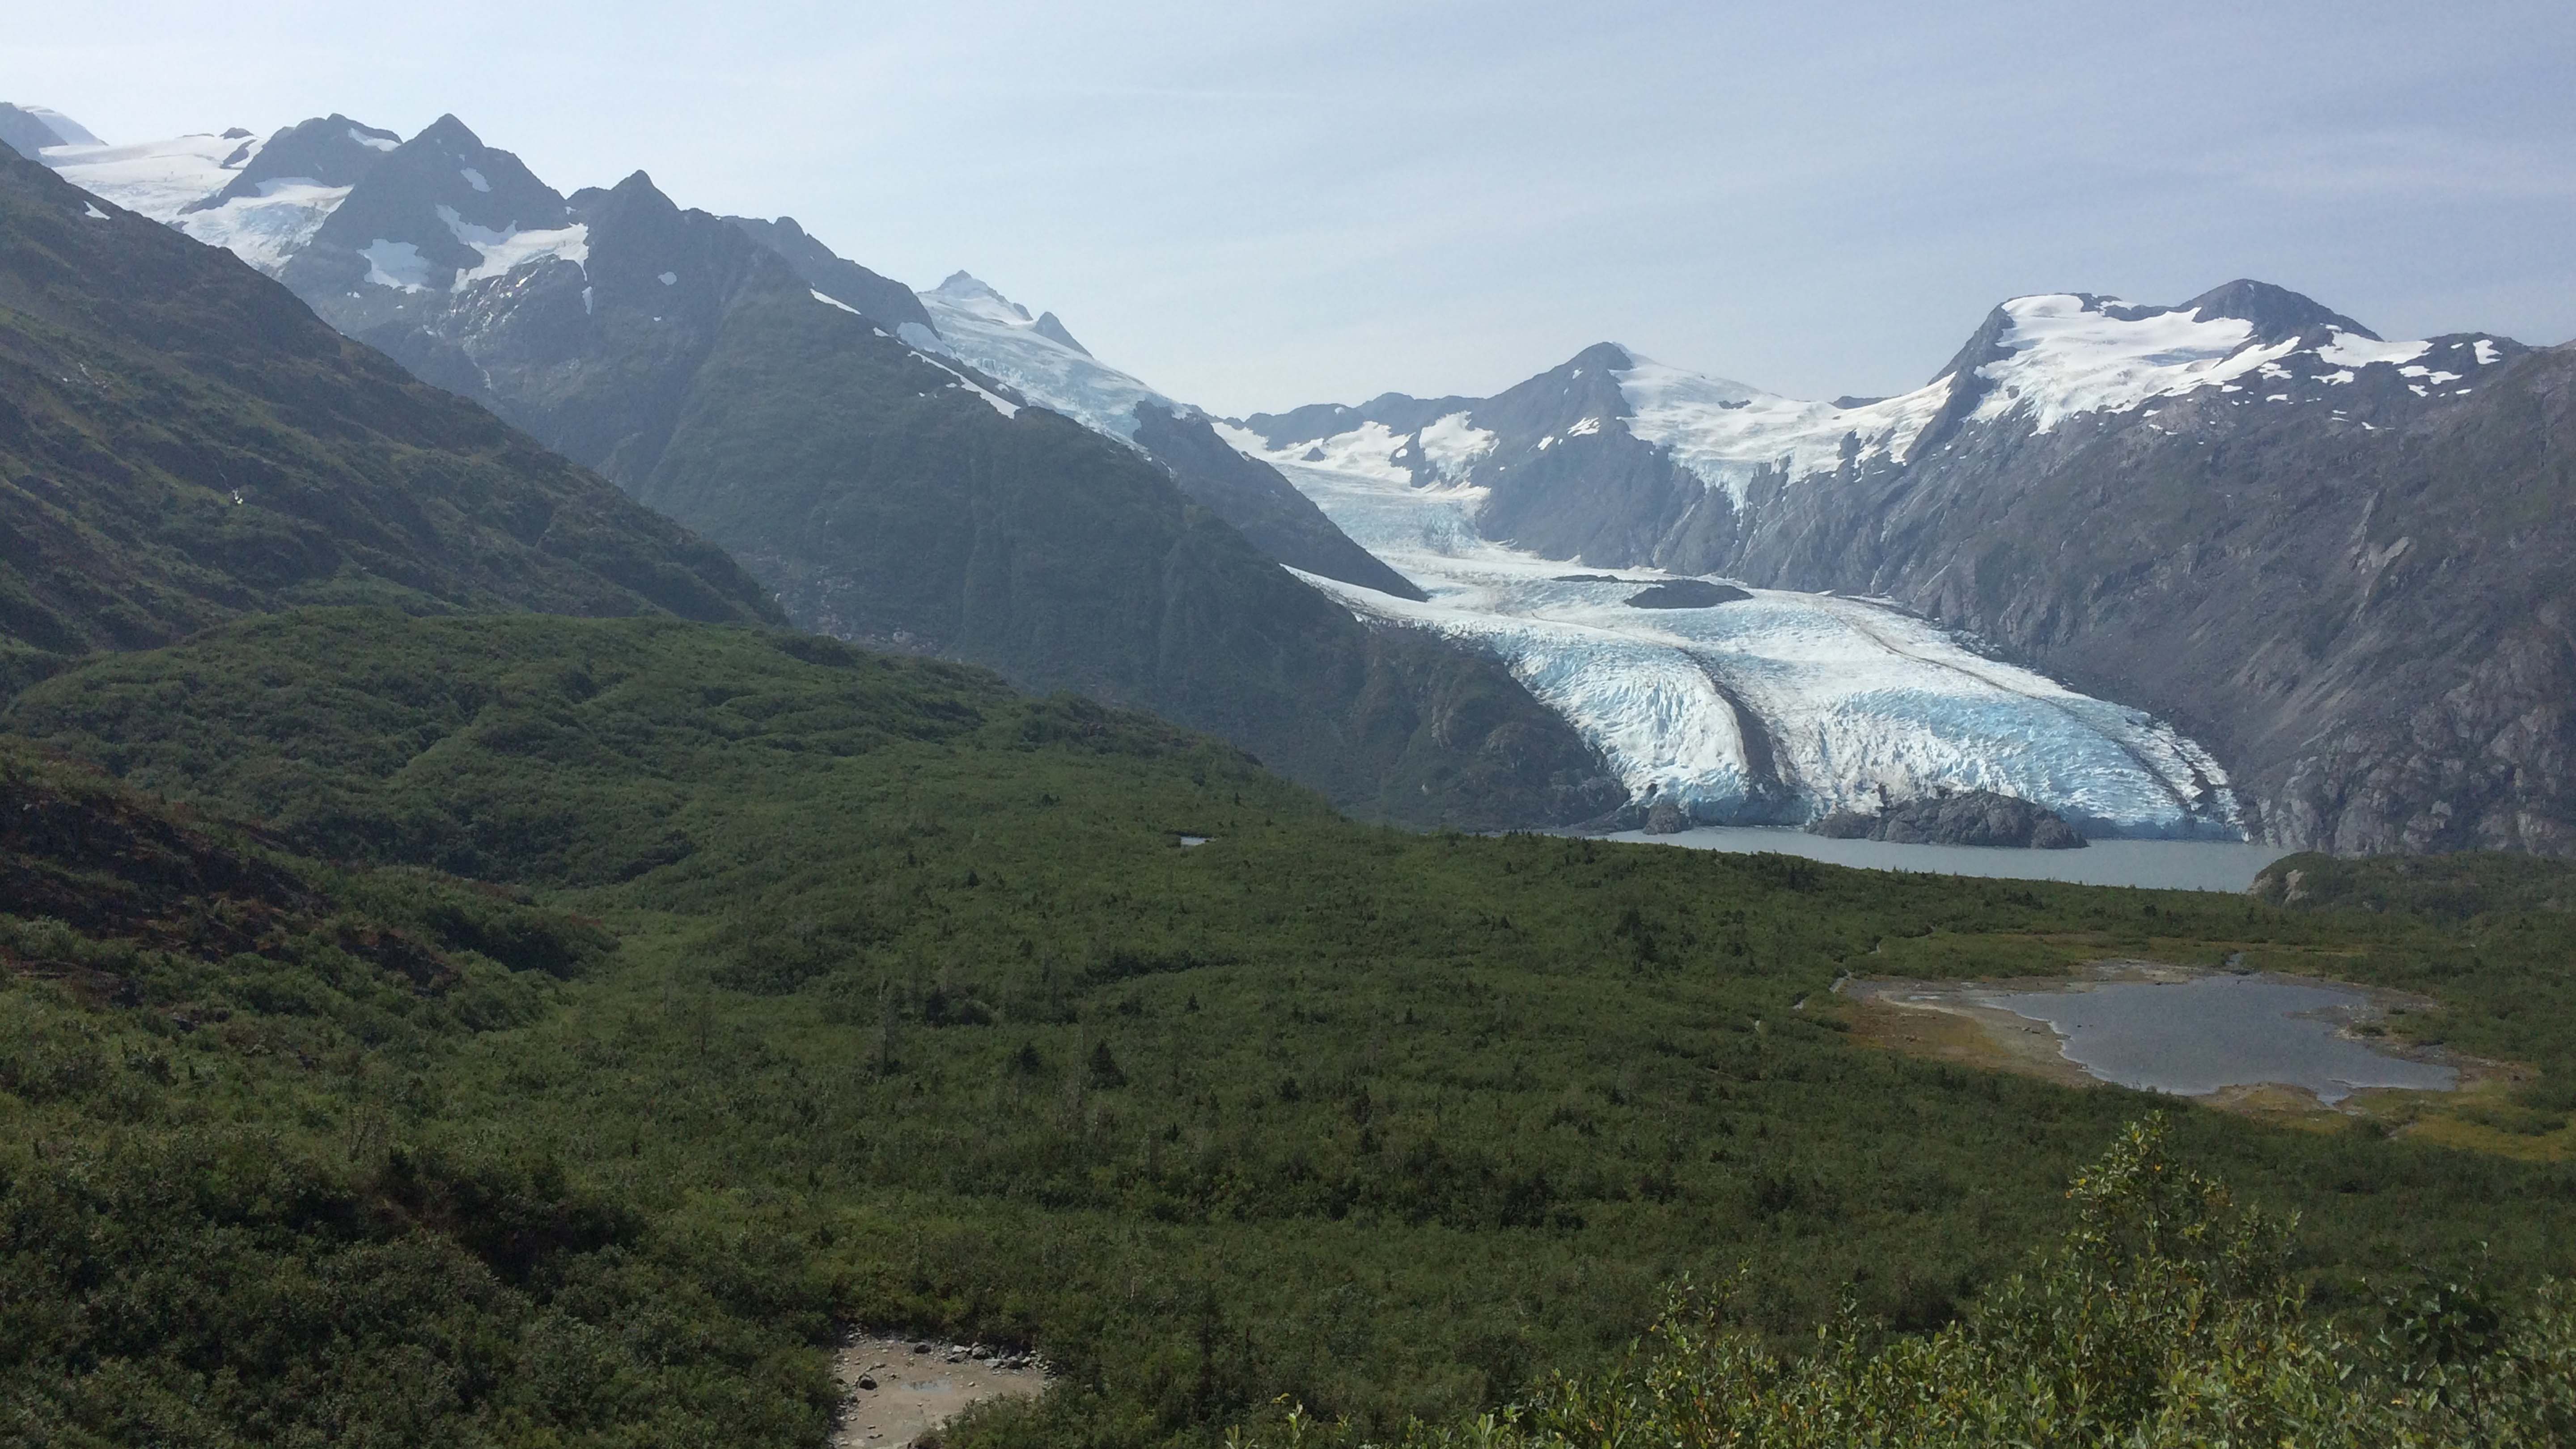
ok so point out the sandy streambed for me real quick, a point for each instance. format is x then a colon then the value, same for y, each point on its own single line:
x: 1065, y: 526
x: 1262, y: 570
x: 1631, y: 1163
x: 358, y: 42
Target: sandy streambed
x: 895, y: 1390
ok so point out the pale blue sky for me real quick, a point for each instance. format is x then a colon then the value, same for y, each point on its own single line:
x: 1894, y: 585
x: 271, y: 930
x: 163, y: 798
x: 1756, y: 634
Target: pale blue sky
x: 1253, y: 206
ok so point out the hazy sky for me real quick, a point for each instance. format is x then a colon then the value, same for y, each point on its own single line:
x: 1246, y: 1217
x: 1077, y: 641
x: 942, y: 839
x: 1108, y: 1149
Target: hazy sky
x: 1253, y: 206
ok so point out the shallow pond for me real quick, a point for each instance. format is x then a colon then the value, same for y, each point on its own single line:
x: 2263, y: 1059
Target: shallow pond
x: 2195, y: 1037
x: 2183, y: 865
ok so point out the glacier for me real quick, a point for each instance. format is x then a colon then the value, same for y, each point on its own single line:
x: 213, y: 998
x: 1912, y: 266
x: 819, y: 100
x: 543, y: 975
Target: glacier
x: 1771, y: 710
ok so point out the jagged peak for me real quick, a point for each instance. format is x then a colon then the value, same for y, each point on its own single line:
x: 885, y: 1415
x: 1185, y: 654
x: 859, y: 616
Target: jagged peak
x: 1053, y: 330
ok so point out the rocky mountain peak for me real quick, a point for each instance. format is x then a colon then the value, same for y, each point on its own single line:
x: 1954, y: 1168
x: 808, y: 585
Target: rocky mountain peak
x: 1053, y: 330
x: 2277, y: 313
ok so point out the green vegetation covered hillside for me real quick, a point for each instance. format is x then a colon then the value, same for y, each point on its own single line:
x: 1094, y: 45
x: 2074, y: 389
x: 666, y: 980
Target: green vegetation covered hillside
x: 815, y: 987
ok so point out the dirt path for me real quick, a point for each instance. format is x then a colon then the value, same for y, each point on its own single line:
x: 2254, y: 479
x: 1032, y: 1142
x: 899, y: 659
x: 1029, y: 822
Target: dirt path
x: 895, y: 1390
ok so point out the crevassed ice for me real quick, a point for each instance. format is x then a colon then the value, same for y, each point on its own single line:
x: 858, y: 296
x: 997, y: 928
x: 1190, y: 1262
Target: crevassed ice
x: 266, y: 229
x: 160, y: 179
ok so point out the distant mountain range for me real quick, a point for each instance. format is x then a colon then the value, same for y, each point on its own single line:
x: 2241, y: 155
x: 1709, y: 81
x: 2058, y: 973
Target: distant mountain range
x: 2326, y: 571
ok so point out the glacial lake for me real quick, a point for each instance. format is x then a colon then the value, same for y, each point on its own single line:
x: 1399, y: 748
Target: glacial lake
x: 2192, y: 1038
x: 2177, y: 865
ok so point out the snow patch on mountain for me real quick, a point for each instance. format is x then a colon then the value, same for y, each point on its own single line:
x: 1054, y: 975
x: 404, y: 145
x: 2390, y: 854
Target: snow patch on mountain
x: 997, y: 337
x: 2072, y: 354
x: 1452, y: 445
x: 396, y: 264
x: 2347, y: 350
x: 506, y: 250
x: 1726, y: 433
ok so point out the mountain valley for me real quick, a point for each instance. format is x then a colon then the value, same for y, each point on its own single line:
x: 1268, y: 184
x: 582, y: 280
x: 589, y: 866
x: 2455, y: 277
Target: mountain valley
x: 600, y: 805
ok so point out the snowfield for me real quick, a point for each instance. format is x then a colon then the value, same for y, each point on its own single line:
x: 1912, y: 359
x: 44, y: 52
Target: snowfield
x: 161, y: 179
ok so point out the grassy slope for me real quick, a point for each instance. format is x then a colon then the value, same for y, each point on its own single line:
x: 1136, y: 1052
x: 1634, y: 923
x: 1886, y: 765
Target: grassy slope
x: 206, y: 1235
x: 182, y: 442
x: 922, y: 1017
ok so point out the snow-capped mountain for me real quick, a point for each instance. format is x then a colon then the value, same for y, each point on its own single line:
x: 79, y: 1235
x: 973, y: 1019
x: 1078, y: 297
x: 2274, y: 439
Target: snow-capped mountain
x: 1614, y: 458
x: 2342, y: 560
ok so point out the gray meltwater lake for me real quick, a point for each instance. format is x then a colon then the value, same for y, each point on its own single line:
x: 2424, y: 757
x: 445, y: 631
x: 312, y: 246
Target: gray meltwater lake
x: 2173, y: 865
x: 2192, y: 1038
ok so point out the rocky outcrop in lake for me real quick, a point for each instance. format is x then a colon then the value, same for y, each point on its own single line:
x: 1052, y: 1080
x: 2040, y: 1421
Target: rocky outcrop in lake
x: 1686, y: 594
x: 1968, y: 817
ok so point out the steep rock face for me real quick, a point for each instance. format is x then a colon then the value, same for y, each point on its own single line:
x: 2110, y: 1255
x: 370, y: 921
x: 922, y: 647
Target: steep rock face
x: 332, y: 151
x: 181, y: 441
